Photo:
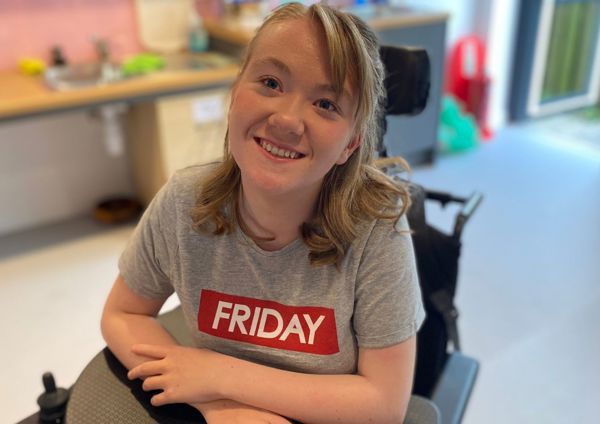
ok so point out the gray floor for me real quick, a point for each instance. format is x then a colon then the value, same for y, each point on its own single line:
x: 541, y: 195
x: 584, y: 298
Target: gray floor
x: 530, y: 274
x: 529, y: 290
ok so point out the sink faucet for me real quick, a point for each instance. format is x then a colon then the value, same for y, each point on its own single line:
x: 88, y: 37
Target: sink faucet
x: 102, y: 49
x: 109, y: 71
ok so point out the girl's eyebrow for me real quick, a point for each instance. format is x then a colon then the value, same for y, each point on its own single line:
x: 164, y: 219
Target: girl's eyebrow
x: 275, y: 62
x: 330, y: 89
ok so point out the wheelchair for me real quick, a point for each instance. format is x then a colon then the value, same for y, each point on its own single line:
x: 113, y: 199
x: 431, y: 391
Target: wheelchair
x: 444, y: 377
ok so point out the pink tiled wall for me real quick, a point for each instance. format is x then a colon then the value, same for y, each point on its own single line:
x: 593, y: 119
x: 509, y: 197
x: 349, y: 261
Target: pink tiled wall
x: 29, y: 28
x: 32, y: 27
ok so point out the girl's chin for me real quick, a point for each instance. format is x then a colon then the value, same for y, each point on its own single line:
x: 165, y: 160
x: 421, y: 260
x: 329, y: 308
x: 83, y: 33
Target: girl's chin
x: 275, y: 184
x: 272, y: 186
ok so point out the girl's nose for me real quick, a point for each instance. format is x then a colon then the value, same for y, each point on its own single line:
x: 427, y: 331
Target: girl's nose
x: 288, y: 120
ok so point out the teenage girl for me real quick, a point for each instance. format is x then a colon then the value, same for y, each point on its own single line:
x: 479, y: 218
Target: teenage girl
x: 291, y: 258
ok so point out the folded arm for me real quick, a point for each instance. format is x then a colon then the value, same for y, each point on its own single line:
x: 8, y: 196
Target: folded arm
x: 378, y: 393
x: 130, y: 319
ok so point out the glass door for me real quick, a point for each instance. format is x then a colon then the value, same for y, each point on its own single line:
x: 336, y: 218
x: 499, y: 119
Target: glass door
x: 557, y: 57
x: 566, y: 63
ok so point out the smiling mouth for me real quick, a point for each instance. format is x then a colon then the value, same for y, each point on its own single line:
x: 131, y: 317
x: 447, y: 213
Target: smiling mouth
x: 277, y: 151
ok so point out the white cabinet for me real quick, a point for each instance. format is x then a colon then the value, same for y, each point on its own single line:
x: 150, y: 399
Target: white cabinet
x: 174, y: 132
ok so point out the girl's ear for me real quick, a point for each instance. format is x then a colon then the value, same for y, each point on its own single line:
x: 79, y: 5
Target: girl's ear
x: 349, y: 149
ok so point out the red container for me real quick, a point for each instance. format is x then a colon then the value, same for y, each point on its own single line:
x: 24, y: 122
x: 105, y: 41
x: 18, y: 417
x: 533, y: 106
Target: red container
x: 466, y: 79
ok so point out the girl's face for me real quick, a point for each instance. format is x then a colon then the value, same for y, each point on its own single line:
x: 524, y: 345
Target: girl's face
x: 287, y: 127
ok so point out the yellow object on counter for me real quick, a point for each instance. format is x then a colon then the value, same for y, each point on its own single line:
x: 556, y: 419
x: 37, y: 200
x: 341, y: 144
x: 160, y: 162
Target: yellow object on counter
x: 31, y: 66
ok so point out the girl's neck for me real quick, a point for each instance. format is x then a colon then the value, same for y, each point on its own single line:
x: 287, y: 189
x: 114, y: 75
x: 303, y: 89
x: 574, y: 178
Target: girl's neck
x: 274, y: 222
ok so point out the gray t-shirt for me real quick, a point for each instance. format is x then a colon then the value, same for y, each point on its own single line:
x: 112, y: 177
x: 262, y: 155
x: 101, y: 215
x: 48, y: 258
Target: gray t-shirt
x: 273, y: 307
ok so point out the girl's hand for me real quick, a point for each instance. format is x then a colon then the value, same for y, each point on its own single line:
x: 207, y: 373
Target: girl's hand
x: 184, y: 374
x: 231, y: 412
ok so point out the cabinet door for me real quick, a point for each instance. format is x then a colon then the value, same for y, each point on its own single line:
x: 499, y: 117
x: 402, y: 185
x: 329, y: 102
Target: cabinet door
x: 192, y: 128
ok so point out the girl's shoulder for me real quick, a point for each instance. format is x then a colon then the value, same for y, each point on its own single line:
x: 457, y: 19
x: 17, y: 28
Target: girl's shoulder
x: 380, y: 233
x: 191, y: 175
x: 185, y: 182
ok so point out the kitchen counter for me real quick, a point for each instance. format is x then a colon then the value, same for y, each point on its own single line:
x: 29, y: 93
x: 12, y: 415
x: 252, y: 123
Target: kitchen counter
x: 25, y: 96
x: 239, y: 31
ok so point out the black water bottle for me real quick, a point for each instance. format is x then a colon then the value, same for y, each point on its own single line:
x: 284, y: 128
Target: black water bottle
x: 58, y: 58
x: 53, y: 402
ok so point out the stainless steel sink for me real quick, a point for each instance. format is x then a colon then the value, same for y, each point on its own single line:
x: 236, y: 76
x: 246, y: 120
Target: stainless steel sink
x: 83, y: 75
x: 73, y: 77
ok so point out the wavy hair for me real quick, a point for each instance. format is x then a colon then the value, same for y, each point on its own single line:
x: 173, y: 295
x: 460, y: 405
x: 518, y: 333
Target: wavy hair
x: 353, y: 193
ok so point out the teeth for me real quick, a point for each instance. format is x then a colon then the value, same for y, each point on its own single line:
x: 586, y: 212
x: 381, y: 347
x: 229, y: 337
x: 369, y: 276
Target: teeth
x: 282, y: 153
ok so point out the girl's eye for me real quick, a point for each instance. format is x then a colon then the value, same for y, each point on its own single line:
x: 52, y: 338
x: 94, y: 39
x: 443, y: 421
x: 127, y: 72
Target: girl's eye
x: 327, y: 105
x: 271, y: 83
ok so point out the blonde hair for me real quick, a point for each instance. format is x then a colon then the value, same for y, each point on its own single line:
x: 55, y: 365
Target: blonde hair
x: 351, y: 194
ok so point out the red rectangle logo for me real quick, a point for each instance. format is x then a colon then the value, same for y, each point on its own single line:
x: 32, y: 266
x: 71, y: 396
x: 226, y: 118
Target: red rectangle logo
x: 309, y: 329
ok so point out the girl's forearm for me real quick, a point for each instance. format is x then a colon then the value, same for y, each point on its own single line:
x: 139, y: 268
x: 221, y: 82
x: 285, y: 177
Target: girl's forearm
x: 122, y: 330
x: 316, y: 399
x: 228, y: 411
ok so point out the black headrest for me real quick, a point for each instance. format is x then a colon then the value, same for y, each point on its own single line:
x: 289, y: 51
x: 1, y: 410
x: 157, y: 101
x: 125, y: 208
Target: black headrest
x: 407, y: 79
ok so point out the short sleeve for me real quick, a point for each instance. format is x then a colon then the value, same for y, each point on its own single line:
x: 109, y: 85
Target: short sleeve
x: 388, y: 304
x: 146, y: 262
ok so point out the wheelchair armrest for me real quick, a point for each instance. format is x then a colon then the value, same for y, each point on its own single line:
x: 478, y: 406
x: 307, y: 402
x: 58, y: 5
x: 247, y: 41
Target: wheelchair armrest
x: 421, y: 411
x: 470, y: 205
x: 454, y: 387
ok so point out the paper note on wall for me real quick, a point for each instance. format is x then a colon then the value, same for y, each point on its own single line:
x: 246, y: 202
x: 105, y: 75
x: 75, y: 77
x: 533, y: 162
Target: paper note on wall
x: 208, y: 109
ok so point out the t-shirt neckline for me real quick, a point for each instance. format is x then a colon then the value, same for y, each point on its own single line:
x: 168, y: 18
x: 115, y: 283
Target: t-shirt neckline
x: 286, y: 250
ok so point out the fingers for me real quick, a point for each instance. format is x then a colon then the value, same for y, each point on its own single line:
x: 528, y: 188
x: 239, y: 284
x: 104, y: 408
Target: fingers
x: 153, y: 383
x: 156, y: 383
x: 159, y: 399
x: 150, y: 351
x: 147, y: 369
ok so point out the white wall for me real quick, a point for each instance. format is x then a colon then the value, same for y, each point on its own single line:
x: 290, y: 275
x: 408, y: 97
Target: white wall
x: 462, y: 15
x: 501, y: 38
x: 54, y: 168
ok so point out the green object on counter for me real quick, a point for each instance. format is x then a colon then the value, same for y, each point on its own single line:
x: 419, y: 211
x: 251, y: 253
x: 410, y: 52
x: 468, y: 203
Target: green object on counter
x: 142, y: 64
x: 458, y: 131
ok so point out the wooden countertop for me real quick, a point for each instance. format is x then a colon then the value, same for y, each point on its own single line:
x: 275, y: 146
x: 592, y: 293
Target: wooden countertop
x: 239, y: 31
x: 386, y: 17
x: 24, y: 96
